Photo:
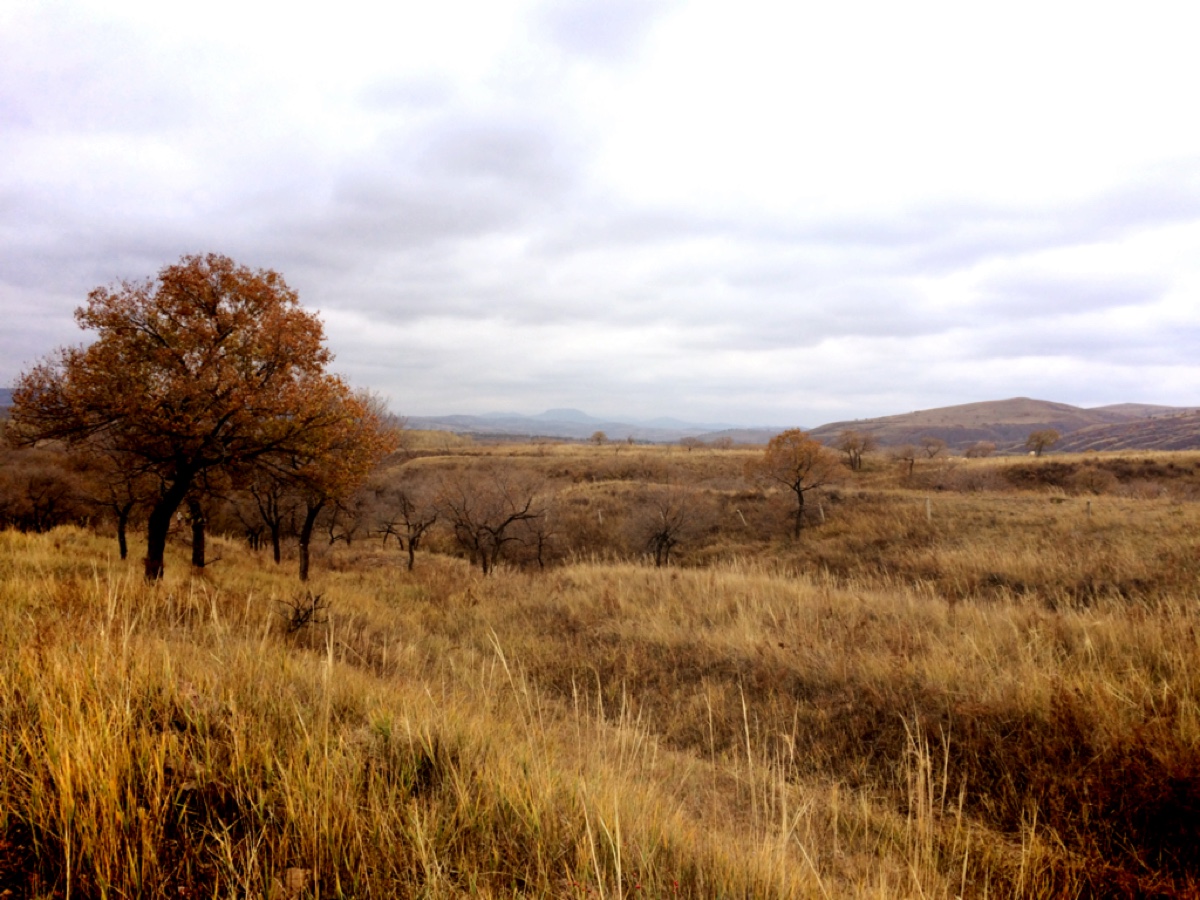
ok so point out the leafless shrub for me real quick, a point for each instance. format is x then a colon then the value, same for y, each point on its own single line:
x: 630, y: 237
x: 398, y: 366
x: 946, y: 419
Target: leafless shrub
x: 304, y: 611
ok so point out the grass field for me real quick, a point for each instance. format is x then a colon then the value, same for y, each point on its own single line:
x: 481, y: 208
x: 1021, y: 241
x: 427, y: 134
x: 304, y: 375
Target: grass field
x: 979, y: 680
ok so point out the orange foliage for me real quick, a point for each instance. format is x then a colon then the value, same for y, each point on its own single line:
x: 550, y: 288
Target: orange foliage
x: 799, y: 463
x: 210, y: 366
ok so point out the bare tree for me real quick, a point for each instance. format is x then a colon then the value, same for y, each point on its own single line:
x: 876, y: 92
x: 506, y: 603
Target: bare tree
x: 662, y: 524
x: 276, y: 504
x: 540, y: 535
x: 347, y: 516
x: 853, y: 444
x: 931, y: 446
x: 482, y: 507
x: 1042, y: 439
x: 407, y: 512
x: 690, y: 443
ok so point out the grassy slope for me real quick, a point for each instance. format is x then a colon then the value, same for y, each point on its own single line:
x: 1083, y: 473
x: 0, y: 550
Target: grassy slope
x: 1007, y: 423
x: 989, y: 695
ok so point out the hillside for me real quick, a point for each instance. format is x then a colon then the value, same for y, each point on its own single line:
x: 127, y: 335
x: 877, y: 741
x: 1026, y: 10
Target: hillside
x: 1007, y: 423
x: 1179, y: 430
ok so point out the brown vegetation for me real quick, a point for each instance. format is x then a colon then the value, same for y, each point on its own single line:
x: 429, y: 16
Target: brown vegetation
x: 972, y: 679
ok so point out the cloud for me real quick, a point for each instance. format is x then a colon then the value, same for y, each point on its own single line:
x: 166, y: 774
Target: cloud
x: 633, y: 208
x: 604, y: 30
x: 1027, y: 296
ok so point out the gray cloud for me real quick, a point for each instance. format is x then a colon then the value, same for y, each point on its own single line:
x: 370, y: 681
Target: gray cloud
x: 469, y: 253
x: 1032, y: 297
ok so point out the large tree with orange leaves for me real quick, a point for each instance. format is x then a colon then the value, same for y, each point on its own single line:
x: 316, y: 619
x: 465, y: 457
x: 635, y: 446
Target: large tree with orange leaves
x: 209, y: 366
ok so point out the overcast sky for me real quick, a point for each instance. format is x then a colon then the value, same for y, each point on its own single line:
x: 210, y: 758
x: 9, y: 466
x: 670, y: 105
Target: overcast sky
x: 757, y: 213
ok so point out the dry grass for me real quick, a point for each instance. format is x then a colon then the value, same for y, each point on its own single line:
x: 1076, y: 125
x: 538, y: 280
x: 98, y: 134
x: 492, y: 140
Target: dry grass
x: 989, y: 695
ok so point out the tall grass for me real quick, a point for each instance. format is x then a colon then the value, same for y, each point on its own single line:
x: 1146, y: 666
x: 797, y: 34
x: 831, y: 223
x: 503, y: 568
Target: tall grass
x: 994, y: 698
x: 174, y: 740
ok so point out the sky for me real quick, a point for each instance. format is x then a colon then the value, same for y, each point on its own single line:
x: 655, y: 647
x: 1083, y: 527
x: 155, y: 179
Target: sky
x: 757, y: 213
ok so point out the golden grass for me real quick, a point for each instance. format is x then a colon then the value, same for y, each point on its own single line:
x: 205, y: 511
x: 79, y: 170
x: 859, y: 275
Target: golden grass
x: 990, y: 695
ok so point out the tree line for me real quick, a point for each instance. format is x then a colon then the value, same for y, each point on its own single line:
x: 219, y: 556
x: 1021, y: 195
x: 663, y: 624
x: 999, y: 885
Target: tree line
x: 205, y: 399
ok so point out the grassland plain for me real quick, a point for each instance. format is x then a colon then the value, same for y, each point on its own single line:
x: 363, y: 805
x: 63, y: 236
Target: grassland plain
x: 976, y: 681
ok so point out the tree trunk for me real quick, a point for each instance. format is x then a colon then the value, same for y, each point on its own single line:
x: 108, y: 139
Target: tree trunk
x: 159, y: 526
x: 306, y: 530
x: 799, y: 514
x: 275, y: 543
x: 412, y: 553
x: 196, y: 511
x: 122, y: 526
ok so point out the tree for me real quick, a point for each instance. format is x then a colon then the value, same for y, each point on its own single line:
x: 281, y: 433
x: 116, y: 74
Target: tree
x: 905, y: 453
x: 1042, y: 439
x: 980, y: 449
x: 114, y: 486
x: 663, y: 523
x: 407, y: 512
x: 599, y: 438
x: 327, y: 465
x: 38, y: 491
x: 690, y: 443
x: 482, y: 507
x: 275, y: 501
x: 210, y: 365
x: 853, y: 444
x: 799, y: 463
x: 932, y: 446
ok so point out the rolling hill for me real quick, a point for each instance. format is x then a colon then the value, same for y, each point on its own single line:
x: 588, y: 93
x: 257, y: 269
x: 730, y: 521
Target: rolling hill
x: 1007, y: 423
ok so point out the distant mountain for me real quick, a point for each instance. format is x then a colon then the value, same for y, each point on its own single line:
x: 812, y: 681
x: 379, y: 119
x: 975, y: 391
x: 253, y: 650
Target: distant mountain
x: 5, y: 397
x: 565, y: 415
x: 571, y: 424
x: 752, y: 436
x: 1007, y: 423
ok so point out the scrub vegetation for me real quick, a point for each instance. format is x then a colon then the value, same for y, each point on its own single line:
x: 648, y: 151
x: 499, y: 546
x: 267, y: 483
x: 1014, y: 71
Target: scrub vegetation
x: 964, y: 678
